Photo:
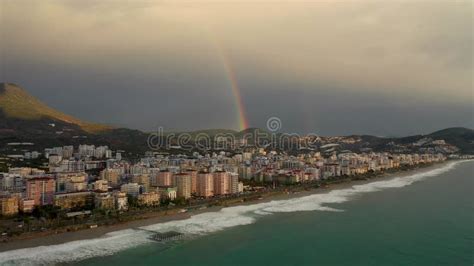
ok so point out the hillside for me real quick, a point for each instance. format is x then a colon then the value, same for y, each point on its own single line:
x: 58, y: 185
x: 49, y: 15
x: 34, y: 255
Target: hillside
x: 457, y: 136
x: 454, y: 132
x: 25, y: 119
x: 16, y: 103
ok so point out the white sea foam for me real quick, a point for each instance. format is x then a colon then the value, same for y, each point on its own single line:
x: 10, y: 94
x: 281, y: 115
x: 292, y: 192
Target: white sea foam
x: 76, y: 250
x: 203, y: 223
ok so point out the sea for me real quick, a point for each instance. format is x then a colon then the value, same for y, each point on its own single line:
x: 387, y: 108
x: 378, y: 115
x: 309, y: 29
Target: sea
x: 420, y: 218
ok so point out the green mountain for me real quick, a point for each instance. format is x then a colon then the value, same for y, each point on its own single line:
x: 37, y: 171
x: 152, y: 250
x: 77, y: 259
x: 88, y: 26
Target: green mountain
x: 23, y: 118
x: 454, y: 132
x: 458, y: 136
x: 16, y: 103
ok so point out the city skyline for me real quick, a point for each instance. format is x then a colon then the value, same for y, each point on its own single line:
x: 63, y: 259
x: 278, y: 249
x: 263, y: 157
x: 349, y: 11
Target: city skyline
x: 324, y: 68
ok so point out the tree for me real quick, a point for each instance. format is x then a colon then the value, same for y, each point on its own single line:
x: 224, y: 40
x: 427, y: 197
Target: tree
x: 180, y: 201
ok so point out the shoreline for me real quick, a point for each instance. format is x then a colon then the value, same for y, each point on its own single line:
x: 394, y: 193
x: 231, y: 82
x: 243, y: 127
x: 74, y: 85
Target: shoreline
x: 53, y: 238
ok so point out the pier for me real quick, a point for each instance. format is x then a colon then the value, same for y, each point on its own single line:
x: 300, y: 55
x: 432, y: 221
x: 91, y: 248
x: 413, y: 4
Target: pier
x: 163, y: 236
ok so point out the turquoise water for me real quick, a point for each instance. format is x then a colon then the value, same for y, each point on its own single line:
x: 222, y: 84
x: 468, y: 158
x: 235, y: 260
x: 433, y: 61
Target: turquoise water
x: 419, y: 219
x: 425, y: 223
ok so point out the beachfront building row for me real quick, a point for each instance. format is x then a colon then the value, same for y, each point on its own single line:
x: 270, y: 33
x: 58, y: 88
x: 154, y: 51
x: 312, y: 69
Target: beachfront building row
x: 48, y: 190
x: 162, y: 178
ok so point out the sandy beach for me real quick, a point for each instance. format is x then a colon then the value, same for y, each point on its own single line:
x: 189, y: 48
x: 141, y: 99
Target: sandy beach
x: 54, y: 239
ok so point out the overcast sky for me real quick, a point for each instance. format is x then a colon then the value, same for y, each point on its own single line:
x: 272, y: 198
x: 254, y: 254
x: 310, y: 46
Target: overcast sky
x: 328, y: 67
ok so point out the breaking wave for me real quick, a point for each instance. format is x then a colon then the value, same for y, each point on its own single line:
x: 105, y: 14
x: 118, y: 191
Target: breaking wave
x: 203, y: 223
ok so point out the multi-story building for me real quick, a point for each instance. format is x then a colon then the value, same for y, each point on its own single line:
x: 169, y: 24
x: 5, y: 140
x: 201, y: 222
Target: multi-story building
x: 205, y: 185
x: 41, y: 190
x: 86, y: 150
x: 121, y: 201
x: 222, y: 181
x: 77, y: 200
x: 9, y: 206
x: 112, y: 175
x: 183, y: 185
x: 23, y: 171
x: 193, y: 173
x: 101, y: 185
x: 163, y: 179
x: 26, y: 205
x: 143, y: 180
x: 71, y: 182
x: 101, y: 152
x: 104, y: 201
x: 234, y: 183
x: 66, y: 165
x: 67, y: 152
x: 245, y: 172
x: 11, y: 182
x: 132, y: 189
x: 149, y: 199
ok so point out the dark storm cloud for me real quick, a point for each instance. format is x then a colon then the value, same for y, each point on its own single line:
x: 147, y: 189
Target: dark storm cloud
x: 130, y: 99
x: 348, y: 67
x: 327, y: 112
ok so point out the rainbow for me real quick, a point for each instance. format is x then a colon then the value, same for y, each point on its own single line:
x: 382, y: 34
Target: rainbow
x: 242, y: 118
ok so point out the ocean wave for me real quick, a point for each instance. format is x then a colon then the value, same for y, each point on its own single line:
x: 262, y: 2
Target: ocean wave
x: 203, y: 223
x: 109, y: 244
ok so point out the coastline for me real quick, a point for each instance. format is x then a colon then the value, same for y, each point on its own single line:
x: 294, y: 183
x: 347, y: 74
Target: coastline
x: 51, y: 238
